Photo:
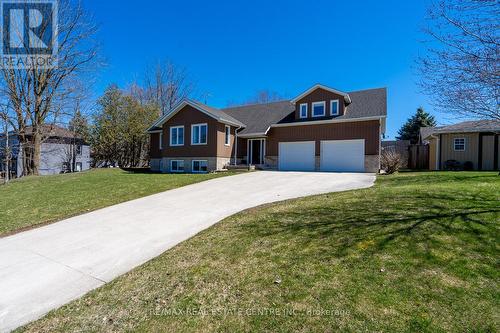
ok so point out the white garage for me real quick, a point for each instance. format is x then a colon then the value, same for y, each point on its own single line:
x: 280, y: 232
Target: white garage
x: 343, y: 155
x: 297, y: 156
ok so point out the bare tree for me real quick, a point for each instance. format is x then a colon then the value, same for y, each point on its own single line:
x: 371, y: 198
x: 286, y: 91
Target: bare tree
x: 39, y: 94
x: 391, y: 160
x: 461, y: 69
x: 5, y: 146
x: 165, y: 85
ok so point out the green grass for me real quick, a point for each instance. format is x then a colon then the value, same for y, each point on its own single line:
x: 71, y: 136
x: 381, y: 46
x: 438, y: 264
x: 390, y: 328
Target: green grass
x: 29, y: 201
x: 419, y: 252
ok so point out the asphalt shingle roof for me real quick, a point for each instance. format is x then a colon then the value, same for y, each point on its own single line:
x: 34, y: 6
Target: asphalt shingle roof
x: 463, y: 127
x: 255, y: 119
x: 219, y: 114
x: 259, y: 117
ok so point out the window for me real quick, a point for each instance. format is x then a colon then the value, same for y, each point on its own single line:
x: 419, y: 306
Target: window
x: 318, y: 109
x: 227, y: 135
x: 176, y: 166
x: 334, y: 107
x: 177, y: 136
x: 200, y: 166
x: 78, y: 150
x: 459, y: 144
x: 161, y: 141
x: 303, y: 110
x: 199, y: 134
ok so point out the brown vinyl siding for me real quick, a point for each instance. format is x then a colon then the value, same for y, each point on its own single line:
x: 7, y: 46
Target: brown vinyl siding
x: 319, y: 95
x: 186, y: 117
x: 242, y: 148
x: 154, y: 145
x: 470, y: 153
x: 222, y: 149
x: 368, y: 130
x: 488, y: 153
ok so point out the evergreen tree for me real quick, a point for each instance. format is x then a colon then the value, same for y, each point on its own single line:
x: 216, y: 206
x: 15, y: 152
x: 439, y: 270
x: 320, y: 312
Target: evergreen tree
x: 119, y: 133
x: 411, y: 129
x: 80, y: 126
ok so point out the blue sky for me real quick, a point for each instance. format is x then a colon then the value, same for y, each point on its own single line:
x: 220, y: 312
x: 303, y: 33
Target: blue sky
x: 232, y: 49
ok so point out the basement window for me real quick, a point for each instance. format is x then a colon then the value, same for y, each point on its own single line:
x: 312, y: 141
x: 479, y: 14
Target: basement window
x: 176, y: 166
x: 199, y: 166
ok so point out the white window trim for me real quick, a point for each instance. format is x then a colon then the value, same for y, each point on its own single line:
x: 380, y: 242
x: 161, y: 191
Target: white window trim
x: 198, y: 144
x: 323, y: 103
x: 176, y: 171
x: 333, y: 101
x: 455, y: 145
x: 161, y: 140
x: 300, y: 110
x: 227, y: 138
x: 192, y: 166
x: 183, y: 136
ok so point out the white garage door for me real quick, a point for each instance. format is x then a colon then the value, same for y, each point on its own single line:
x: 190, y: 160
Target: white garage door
x: 343, y: 156
x: 297, y: 156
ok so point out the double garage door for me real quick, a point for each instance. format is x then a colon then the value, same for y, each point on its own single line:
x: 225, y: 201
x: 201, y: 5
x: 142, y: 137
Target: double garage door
x: 335, y: 156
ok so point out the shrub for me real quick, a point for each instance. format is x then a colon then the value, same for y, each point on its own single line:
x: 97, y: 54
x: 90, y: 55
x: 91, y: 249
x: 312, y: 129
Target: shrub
x: 468, y: 166
x: 391, y: 161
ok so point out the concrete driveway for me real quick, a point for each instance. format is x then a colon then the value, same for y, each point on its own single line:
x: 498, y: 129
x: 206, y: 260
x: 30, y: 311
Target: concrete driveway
x: 44, y: 268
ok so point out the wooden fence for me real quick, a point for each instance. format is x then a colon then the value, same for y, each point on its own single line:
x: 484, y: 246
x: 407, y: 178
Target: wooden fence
x: 418, y: 157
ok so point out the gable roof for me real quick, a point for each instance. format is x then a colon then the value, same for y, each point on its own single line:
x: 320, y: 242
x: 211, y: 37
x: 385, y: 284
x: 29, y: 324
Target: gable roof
x: 259, y: 117
x: 347, y: 99
x: 208, y: 110
x: 256, y: 119
x: 463, y: 127
x: 53, y: 131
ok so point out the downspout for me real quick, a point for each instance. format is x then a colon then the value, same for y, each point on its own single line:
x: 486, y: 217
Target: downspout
x: 236, y: 145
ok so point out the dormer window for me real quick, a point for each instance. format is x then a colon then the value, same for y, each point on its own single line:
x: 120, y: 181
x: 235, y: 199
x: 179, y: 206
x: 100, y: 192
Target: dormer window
x: 318, y: 109
x: 303, y: 110
x: 334, y: 107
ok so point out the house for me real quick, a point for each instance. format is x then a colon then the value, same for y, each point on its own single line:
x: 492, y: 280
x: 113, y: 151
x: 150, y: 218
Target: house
x: 61, y: 151
x: 322, y: 129
x: 471, y: 142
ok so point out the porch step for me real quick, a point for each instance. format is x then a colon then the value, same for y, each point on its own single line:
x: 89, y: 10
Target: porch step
x: 240, y: 167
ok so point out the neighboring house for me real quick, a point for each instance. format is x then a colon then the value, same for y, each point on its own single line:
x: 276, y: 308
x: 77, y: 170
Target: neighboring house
x: 475, y: 142
x: 61, y: 151
x: 323, y: 129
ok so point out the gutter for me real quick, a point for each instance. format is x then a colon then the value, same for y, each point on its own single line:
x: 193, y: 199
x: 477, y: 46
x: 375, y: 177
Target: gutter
x: 328, y: 121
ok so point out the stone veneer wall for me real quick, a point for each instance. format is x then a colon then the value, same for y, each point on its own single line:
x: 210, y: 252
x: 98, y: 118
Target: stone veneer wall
x: 213, y: 163
x: 372, y: 163
x: 154, y: 164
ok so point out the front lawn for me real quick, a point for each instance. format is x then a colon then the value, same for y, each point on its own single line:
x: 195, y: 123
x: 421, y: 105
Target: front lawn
x: 419, y: 252
x: 30, y: 201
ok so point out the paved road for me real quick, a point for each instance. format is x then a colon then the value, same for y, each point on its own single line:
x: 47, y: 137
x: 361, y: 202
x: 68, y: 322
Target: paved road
x: 44, y: 268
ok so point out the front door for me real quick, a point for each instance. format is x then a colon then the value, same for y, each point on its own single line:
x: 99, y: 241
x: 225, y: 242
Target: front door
x: 256, y: 151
